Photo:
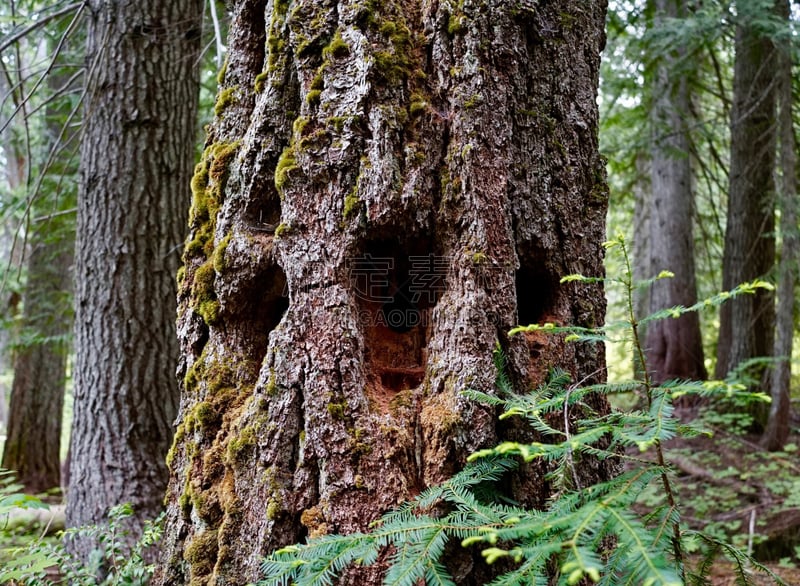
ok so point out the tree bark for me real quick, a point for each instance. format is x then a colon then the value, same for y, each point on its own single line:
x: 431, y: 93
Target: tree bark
x: 136, y: 159
x: 386, y: 190
x: 776, y: 432
x: 747, y: 323
x: 674, y: 347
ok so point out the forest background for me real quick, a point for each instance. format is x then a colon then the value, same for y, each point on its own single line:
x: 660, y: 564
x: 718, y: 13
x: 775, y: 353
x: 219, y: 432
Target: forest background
x: 698, y: 112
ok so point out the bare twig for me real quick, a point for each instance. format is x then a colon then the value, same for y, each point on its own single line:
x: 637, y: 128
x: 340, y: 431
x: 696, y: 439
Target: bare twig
x: 40, y: 22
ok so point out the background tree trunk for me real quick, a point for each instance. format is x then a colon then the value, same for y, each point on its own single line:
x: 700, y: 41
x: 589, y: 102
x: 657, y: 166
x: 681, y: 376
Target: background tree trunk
x: 33, y: 444
x: 385, y: 192
x: 674, y: 347
x: 777, y: 430
x: 747, y: 323
x: 136, y: 158
x: 33, y: 441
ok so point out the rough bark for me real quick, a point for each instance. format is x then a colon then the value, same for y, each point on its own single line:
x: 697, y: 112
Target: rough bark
x: 445, y: 154
x: 674, y: 348
x: 747, y: 323
x: 136, y: 159
x: 777, y: 430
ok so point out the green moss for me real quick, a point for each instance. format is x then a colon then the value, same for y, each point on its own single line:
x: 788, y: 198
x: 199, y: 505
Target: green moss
x: 282, y: 230
x: 272, y: 384
x: 286, y: 163
x: 318, y: 82
x: 207, y: 185
x: 181, y: 275
x: 222, y: 71
x: 359, y: 481
x: 226, y: 98
x: 185, y: 503
x: 180, y: 434
x: 218, y: 257
x: 338, y: 122
x: 204, y: 278
x: 352, y: 203
x: 337, y: 410
x: 205, y: 414
x: 473, y: 101
x: 313, y: 97
x: 273, y: 509
x: 276, y: 44
x: 222, y: 153
x: 258, y: 86
x: 479, y: 258
x: 209, y: 311
x: 417, y: 108
x: 391, y: 66
x: 201, y: 553
x: 337, y: 48
x: 240, y: 445
x: 300, y: 124
x: 388, y: 28
x: 455, y: 24
x: 316, y: 138
x: 199, y: 180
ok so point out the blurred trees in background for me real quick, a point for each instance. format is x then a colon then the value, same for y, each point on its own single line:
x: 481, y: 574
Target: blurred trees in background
x: 712, y: 131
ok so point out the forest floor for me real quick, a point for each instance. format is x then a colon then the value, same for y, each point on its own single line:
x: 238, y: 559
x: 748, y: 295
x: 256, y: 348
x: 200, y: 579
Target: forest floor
x: 731, y: 488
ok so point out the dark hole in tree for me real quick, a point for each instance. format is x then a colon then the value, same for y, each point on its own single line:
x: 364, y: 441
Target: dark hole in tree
x: 397, y: 283
x: 276, y: 299
x: 536, y: 292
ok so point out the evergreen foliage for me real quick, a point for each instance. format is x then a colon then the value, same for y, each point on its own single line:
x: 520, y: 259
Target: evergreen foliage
x: 115, y: 563
x: 593, y: 532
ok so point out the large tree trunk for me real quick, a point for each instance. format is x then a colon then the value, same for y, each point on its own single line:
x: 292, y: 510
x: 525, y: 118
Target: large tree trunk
x: 777, y: 430
x: 136, y: 159
x: 674, y: 347
x: 747, y: 323
x: 386, y: 190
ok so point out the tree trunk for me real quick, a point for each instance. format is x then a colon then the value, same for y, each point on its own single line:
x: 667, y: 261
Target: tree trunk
x: 747, y: 323
x: 11, y: 249
x: 777, y: 430
x: 136, y: 158
x: 33, y: 444
x: 674, y: 347
x: 642, y: 267
x: 387, y: 189
x: 33, y: 440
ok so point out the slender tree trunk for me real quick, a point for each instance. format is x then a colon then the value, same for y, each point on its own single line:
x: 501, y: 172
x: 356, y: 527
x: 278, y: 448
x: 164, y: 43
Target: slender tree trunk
x: 747, y: 323
x: 642, y: 267
x: 777, y: 430
x: 386, y: 190
x: 136, y: 158
x: 674, y: 347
